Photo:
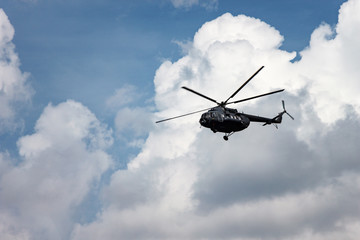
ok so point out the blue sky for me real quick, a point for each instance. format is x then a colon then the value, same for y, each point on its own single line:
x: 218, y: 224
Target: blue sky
x: 98, y: 46
x: 84, y: 50
x: 82, y: 83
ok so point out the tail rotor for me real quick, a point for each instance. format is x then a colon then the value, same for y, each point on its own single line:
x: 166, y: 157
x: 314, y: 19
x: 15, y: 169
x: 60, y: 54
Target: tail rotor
x: 278, y: 118
x: 283, y: 104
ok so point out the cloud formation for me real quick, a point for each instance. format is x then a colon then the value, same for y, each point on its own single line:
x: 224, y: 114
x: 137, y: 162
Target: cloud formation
x: 61, y: 161
x: 300, y: 182
x: 13, y: 86
x: 329, y: 66
x: 132, y: 124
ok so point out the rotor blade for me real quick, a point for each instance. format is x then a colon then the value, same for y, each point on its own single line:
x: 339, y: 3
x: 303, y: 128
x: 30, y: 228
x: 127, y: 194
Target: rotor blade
x: 233, y: 95
x: 290, y: 116
x: 283, y: 104
x: 201, y: 95
x: 184, y: 115
x: 262, y: 95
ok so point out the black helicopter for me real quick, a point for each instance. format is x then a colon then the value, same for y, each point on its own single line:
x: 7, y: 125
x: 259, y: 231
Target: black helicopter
x: 229, y: 120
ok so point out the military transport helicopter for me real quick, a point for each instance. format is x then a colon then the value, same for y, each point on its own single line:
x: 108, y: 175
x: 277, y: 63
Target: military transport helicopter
x: 229, y: 120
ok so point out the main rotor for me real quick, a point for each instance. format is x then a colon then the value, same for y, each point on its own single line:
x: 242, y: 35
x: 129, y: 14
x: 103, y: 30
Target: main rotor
x: 226, y: 102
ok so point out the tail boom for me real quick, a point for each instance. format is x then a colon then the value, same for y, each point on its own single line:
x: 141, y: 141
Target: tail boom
x: 267, y: 121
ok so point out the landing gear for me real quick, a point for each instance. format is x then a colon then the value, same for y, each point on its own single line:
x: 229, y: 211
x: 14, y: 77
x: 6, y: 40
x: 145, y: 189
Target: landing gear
x: 227, y: 135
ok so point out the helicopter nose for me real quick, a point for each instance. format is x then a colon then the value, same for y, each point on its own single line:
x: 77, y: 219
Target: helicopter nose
x: 203, y: 120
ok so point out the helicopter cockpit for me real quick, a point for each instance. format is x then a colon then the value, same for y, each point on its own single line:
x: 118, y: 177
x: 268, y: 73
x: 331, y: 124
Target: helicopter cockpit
x: 209, y: 117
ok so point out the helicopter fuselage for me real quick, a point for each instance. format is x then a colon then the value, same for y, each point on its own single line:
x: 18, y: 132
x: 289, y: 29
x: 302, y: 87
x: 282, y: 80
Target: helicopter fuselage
x: 226, y: 120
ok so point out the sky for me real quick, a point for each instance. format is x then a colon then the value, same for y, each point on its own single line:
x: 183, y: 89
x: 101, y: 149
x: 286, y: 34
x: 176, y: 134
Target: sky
x: 83, y: 82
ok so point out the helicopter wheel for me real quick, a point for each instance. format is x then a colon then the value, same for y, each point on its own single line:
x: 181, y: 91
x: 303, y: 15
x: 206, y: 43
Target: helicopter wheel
x: 227, y: 135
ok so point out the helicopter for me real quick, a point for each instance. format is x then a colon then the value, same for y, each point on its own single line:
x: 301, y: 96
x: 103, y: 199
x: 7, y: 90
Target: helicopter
x: 228, y: 120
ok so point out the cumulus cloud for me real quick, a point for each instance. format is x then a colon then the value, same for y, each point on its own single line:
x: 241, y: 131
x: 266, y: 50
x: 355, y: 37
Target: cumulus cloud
x: 13, y: 85
x: 62, y: 160
x: 132, y: 124
x: 329, y: 65
x: 187, y: 183
x: 298, y: 182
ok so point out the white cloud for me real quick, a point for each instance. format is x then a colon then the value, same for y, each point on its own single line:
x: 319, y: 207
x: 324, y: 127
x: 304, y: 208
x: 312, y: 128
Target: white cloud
x: 187, y: 183
x: 62, y: 160
x: 122, y: 96
x: 226, y: 29
x: 13, y: 86
x: 131, y: 124
x: 137, y: 121
x: 329, y: 69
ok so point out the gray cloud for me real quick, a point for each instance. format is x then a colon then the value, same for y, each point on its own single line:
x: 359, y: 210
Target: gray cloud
x: 265, y: 164
x: 298, y: 182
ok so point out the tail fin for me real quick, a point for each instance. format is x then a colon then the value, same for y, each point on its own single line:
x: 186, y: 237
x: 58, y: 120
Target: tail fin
x: 278, y: 118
